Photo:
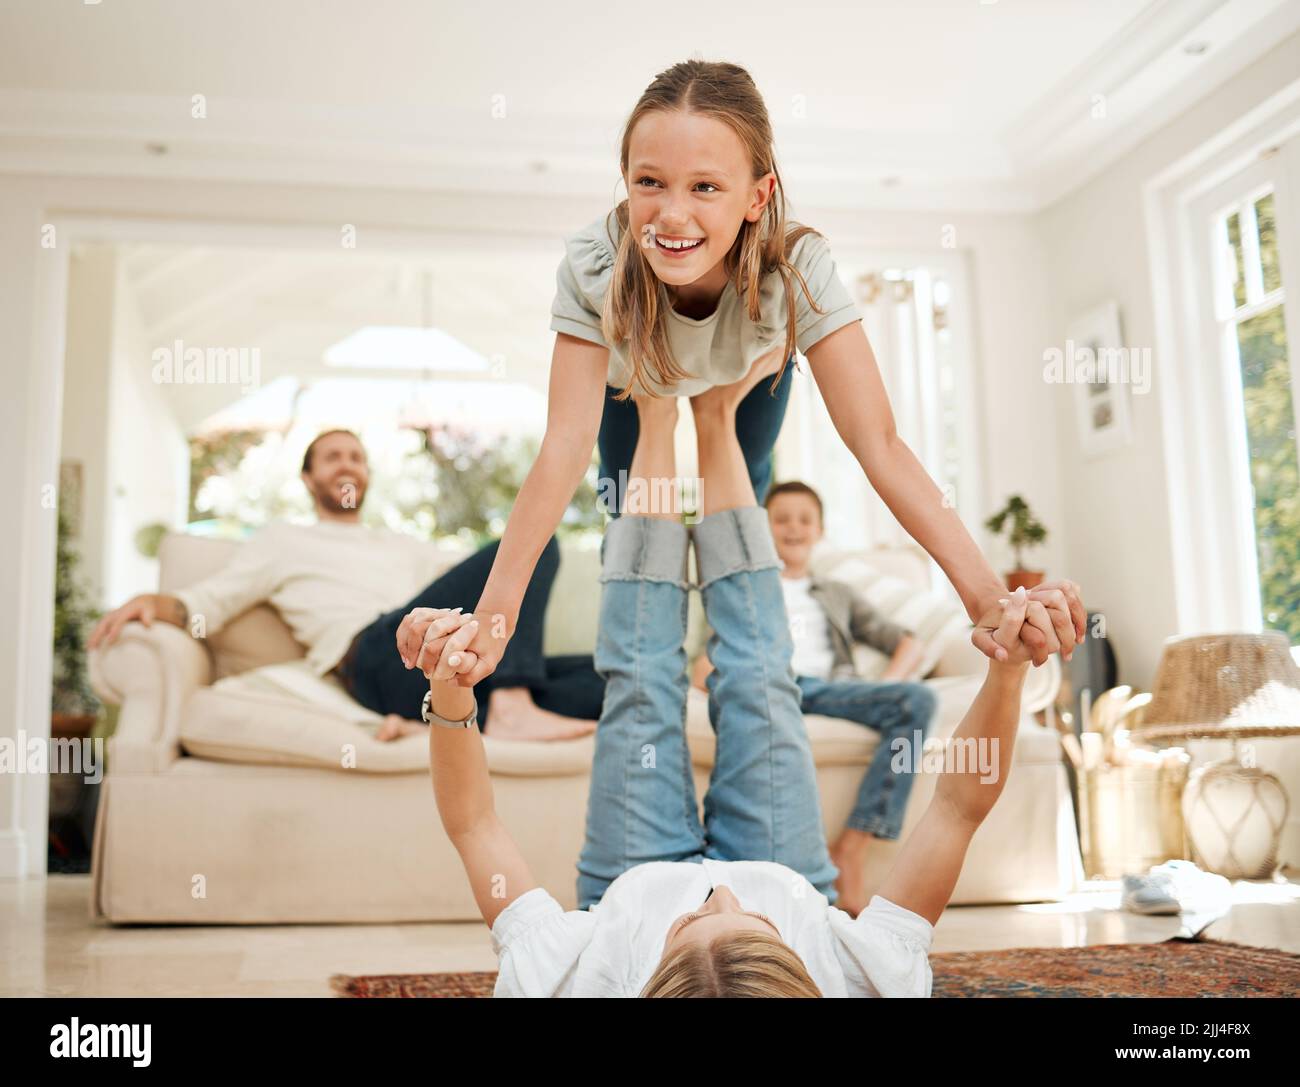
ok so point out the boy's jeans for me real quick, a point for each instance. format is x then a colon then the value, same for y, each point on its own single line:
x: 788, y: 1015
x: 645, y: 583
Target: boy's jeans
x: 897, y: 711
x: 762, y: 802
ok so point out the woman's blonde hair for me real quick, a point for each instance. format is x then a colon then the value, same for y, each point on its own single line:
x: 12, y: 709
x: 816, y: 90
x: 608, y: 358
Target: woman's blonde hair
x: 634, y: 304
x: 738, y: 964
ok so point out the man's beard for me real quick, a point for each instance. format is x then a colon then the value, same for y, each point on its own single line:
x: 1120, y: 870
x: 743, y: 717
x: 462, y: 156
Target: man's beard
x: 341, y: 499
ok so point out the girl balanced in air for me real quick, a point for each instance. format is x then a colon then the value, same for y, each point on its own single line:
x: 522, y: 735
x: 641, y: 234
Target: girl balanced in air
x: 697, y: 280
x: 740, y: 903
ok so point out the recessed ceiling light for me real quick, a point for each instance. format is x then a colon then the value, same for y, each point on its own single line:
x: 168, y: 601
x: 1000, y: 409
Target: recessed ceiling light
x: 1195, y: 49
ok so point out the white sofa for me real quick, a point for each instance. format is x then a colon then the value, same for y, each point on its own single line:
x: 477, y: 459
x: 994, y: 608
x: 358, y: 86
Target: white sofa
x: 240, y: 789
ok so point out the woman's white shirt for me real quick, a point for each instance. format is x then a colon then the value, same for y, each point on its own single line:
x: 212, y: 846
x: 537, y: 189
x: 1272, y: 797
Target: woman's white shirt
x: 613, y: 948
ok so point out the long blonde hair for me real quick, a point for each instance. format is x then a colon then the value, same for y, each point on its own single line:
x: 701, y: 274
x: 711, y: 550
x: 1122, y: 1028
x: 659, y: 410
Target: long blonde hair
x: 634, y: 304
x: 739, y: 964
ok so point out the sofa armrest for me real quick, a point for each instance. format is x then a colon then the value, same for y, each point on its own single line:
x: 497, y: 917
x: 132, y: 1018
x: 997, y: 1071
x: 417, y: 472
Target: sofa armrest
x: 151, y: 673
x: 961, y: 658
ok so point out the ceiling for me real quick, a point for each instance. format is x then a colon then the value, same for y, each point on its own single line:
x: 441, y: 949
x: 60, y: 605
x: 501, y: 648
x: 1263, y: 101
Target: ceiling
x: 937, y: 104
x: 953, y: 104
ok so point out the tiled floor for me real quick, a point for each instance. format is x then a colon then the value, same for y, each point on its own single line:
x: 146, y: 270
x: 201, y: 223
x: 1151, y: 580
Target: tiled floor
x: 49, y: 945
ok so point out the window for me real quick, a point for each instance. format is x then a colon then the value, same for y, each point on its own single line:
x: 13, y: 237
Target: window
x: 1250, y: 311
x: 914, y: 313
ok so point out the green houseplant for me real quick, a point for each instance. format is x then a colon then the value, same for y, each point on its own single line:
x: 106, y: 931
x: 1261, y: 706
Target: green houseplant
x: 73, y: 704
x: 1023, y: 531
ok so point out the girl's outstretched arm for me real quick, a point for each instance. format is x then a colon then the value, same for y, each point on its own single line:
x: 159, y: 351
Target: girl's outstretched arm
x: 849, y: 379
x: 576, y: 401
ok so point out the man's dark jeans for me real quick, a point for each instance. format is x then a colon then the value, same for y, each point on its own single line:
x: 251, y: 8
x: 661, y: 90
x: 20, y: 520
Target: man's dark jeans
x: 569, y: 685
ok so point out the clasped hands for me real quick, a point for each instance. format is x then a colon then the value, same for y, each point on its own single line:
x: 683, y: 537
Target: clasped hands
x: 1054, y: 621
x: 438, y: 642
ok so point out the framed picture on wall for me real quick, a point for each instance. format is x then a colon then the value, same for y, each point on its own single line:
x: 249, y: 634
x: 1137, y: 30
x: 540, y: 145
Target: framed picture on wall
x: 1100, y: 376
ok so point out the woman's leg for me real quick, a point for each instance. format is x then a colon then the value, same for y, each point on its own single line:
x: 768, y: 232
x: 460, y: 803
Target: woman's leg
x: 762, y: 802
x: 641, y: 805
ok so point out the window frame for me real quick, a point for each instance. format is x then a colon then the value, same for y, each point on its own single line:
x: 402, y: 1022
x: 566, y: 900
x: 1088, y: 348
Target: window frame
x: 1220, y: 317
x: 1215, y: 563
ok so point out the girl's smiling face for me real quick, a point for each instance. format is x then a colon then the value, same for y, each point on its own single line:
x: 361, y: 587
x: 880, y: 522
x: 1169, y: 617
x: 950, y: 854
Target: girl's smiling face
x: 689, y: 180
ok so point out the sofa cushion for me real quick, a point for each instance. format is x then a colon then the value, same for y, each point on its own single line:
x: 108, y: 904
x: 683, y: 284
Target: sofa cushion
x: 285, y: 715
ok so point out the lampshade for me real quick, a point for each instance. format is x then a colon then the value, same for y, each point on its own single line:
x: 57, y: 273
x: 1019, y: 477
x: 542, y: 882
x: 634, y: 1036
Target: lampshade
x: 1223, y: 686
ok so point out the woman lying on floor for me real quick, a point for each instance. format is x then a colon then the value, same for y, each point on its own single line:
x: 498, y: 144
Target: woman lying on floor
x: 740, y: 906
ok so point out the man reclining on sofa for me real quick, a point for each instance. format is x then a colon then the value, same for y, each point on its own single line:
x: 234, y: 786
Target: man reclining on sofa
x: 343, y: 587
x: 741, y: 905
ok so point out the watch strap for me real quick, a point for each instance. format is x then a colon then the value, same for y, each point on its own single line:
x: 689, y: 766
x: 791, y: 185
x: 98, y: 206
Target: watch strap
x: 430, y: 718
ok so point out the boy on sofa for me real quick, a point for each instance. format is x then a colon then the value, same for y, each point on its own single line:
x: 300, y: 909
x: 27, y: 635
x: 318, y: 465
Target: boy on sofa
x: 827, y: 618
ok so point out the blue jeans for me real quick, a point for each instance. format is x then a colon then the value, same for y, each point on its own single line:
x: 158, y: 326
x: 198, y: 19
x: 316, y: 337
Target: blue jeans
x: 762, y: 802
x: 758, y: 421
x: 896, y: 711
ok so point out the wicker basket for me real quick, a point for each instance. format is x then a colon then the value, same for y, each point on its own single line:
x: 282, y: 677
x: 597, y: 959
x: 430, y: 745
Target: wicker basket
x: 1131, y: 817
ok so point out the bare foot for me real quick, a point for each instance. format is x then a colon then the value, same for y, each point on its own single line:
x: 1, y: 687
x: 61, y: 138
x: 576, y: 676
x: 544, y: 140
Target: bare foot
x: 513, y: 715
x: 394, y: 726
x: 849, y: 854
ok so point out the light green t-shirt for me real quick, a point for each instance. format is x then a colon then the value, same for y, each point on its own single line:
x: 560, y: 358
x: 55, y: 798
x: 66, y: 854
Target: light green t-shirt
x: 717, y: 349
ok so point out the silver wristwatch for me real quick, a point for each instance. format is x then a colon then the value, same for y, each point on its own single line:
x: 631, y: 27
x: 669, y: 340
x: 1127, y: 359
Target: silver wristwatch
x: 430, y: 718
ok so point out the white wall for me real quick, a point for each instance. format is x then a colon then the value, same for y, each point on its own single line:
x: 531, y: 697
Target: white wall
x: 1117, y: 521
x: 31, y: 279
x: 117, y: 423
x: 84, y: 437
x: 148, y: 455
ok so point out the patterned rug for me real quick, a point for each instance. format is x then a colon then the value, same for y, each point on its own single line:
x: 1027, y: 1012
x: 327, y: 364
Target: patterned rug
x: 1173, y: 968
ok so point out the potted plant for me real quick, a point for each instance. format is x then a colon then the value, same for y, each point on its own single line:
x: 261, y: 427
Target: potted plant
x: 1023, y: 531
x: 74, y: 706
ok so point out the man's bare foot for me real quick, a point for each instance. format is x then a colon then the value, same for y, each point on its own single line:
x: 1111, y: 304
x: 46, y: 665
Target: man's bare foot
x: 849, y: 854
x: 394, y: 727
x: 513, y: 715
